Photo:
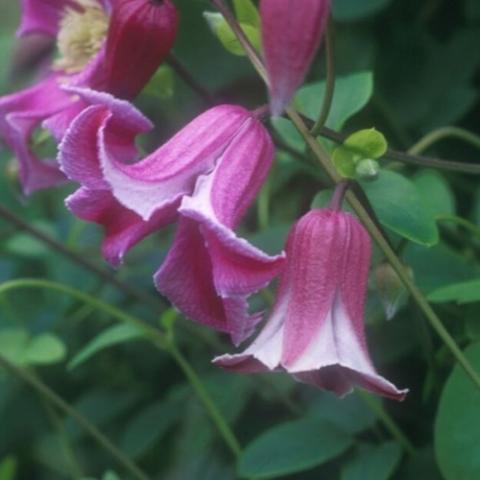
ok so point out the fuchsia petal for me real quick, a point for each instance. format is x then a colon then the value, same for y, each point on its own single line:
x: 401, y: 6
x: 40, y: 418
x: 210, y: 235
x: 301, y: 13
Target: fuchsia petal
x: 231, y: 267
x: 315, y: 269
x: 115, y: 121
x: 42, y: 16
x: 316, y: 329
x: 123, y: 228
x: 291, y: 31
x: 141, y: 35
x: 20, y: 114
x: 186, y: 279
x: 219, y: 202
x: 171, y: 171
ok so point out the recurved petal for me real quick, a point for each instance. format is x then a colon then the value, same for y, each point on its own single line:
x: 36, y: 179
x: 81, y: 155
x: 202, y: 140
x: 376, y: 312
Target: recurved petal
x: 292, y: 31
x: 20, y: 114
x: 105, y: 125
x: 172, y: 170
x: 123, y: 228
x: 265, y: 353
x: 227, y: 192
x: 338, y: 360
x: 186, y: 279
x: 219, y: 202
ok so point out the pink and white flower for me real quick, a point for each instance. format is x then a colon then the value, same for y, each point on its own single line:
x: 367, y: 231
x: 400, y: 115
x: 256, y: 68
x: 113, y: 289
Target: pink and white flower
x: 205, y: 177
x: 99, y: 43
x: 292, y: 31
x: 316, y: 329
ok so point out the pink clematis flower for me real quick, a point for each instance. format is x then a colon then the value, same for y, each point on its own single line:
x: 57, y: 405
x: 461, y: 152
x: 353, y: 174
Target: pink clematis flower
x: 316, y: 331
x: 292, y: 31
x: 206, y: 176
x: 99, y: 43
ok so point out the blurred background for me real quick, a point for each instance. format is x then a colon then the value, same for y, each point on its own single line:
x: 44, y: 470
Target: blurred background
x: 421, y: 63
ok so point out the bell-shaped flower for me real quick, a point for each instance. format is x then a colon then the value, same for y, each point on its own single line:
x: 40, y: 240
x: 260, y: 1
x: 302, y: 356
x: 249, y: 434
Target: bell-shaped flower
x: 291, y: 33
x: 99, y: 42
x: 206, y: 176
x: 316, y: 329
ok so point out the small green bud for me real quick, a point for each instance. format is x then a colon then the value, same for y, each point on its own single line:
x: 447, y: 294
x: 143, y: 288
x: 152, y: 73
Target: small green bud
x: 367, y: 169
x: 390, y: 288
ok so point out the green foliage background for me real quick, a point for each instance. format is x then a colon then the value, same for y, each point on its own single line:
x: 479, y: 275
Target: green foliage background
x: 405, y: 67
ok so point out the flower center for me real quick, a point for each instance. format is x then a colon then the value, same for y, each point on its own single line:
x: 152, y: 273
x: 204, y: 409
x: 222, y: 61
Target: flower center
x: 81, y: 35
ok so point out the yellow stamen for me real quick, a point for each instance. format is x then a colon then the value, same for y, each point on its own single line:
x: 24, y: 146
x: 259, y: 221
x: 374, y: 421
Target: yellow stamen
x: 81, y: 35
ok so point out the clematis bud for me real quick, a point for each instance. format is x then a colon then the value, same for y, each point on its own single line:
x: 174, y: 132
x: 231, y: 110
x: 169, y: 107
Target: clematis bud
x: 316, y: 329
x: 141, y: 35
x: 291, y: 33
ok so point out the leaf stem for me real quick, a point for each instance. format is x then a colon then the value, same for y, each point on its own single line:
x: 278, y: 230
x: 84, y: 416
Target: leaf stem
x: 377, y: 407
x: 330, y: 82
x: 471, y: 227
x: 324, y: 159
x: 205, y: 398
x: 52, y: 397
x: 441, y: 134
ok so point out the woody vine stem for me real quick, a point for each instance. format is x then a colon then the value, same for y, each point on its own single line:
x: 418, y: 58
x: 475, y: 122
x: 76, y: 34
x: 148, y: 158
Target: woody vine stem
x: 323, y: 158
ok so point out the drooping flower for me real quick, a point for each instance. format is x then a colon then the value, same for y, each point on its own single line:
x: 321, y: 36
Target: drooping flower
x: 292, y: 31
x: 206, y: 176
x: 100, y: 43
x: 316, y: 329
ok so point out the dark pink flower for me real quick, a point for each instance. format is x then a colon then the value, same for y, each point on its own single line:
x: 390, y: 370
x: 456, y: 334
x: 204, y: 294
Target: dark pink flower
x: 316, y: 329
x: 80, y: 29
x: 141, y: 35
x: 291, y: 31
x: 206, y: 176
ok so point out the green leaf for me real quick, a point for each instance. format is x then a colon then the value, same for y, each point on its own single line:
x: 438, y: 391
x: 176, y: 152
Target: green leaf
x: 420, y: 466
x: 247, y: 12
x: 373, y: 462
x: 457, y: 425
x: 345, y: 161
x: 224, y: 33
x: 472, y: 322
x: 8, y: 468
x: 399, y: 207
x: 25, y: 245
x: 288, y: 133
x: 438, y: 266
x: 368, y: 143
x: 350, y: 10
x: 436, y: 192
x: 292, y: 447
x: 350, y: 415
x: 13, y: 342
x: 45, y: 349
x: 464, y: 292
x: 144, y: 430
x: 352, y: 93
x: 108, y: 338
